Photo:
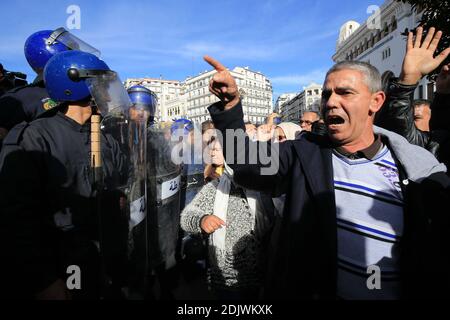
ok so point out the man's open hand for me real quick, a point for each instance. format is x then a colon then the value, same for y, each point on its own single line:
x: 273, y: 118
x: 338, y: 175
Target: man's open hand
x: 223, y: 85
x: 419, y: 58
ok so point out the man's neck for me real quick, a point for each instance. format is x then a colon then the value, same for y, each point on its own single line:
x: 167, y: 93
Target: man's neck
x: 80, y: 114
x: 362, y: 143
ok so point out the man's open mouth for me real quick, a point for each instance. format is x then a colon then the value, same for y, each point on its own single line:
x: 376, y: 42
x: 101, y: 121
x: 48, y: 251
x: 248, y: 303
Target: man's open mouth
x: 335, y: 120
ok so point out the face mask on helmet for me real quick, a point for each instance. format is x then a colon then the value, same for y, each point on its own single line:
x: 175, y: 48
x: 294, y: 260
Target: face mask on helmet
x: 144, y: 100
x: 41, y: 46
x: 108, y: 92
x: 71, y: 41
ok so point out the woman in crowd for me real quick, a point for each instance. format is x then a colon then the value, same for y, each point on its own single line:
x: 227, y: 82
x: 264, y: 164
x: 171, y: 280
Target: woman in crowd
x: 237, y: 222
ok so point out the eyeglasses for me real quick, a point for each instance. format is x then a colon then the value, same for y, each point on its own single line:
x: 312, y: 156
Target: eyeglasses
x: 307, y: 122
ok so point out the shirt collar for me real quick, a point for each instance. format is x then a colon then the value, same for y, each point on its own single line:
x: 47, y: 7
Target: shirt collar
x: 73, y: 124
x: 369, y: 153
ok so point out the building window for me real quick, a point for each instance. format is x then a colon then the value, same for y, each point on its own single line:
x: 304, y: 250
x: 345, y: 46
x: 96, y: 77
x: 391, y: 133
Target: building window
x: 385, y: 30
x: 378, y: 38
x: 386, y: 53
x: 394, y: 24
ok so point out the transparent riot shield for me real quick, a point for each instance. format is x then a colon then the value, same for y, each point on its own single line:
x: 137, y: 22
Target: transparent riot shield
x: 192, y: 180
x: 192, y: 168
x: 138, y: 270
x: 163, y: 194
x: 122, y: 200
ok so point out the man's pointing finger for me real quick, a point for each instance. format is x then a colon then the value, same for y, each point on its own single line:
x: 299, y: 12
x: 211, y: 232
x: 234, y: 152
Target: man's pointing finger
x: 214, y: 63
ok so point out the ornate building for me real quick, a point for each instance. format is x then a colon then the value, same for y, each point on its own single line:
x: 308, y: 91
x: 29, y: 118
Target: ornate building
x: 381, y: 41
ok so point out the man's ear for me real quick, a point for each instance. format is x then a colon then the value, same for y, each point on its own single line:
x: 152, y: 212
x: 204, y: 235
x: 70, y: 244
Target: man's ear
x: 377, y: 101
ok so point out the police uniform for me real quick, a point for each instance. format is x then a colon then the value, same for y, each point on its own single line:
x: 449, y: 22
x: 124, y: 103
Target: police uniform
x: 24, y: 104
x: 48, y: 205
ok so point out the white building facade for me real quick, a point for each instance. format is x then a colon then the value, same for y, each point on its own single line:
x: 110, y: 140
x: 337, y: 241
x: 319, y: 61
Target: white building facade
x: 282, y: 99
x: 255, y: 89
x: 307, y: 100
x: 381, y: 41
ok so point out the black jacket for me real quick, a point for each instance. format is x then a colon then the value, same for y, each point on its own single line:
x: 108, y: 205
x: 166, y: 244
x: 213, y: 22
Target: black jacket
x: 23, y: 104
x: 397, y: 115
x: 303, y: 258
x: 47, y: 206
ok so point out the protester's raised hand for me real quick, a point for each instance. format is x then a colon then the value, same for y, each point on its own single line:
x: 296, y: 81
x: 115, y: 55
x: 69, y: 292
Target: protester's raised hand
x: 265, y: 132
x: 223, y: 85
x: 443, y: 80
x: 270, y: 118
x: 419, y: 58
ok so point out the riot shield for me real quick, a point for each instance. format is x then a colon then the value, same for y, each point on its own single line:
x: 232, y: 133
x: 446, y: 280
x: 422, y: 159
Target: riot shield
x: 192, y: 181
x: 192, y: 168
x: 163, y: 194
x: 122, y: 204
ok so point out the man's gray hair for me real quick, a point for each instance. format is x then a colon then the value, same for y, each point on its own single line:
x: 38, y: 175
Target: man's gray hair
x: 371, y: 74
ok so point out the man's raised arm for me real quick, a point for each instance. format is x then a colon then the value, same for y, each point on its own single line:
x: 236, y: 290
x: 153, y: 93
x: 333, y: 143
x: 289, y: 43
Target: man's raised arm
x: 397, y: 113
x: 258, y: 166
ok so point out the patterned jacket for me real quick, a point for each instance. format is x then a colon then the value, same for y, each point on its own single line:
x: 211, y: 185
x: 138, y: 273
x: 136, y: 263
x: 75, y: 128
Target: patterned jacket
x: 240, y: 266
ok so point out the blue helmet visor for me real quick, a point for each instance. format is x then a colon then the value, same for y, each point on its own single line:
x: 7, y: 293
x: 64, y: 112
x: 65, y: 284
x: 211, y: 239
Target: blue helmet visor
x: 143, y: 100
x: 277, y: 120
x: 71, y: 41
x: 109, y: 93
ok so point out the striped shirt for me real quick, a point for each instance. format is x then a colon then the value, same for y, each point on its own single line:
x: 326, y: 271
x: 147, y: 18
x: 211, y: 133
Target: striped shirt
x: 369, y: 207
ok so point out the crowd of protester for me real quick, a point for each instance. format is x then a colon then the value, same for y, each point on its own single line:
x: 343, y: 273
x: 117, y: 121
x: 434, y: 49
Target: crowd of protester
x: 359, y: 183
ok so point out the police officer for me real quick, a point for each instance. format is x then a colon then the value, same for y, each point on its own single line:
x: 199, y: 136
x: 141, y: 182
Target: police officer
x: 141, y: 114
x: 48, y: 204
x: 27, y: 102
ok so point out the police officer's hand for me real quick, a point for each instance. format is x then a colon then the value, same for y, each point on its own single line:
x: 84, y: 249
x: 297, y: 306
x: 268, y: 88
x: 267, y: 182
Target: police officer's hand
x: 56, y: 291
x: 223, y: 85
x: 211, y: 223
x: 419, y: 58
x: 443, y: 80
